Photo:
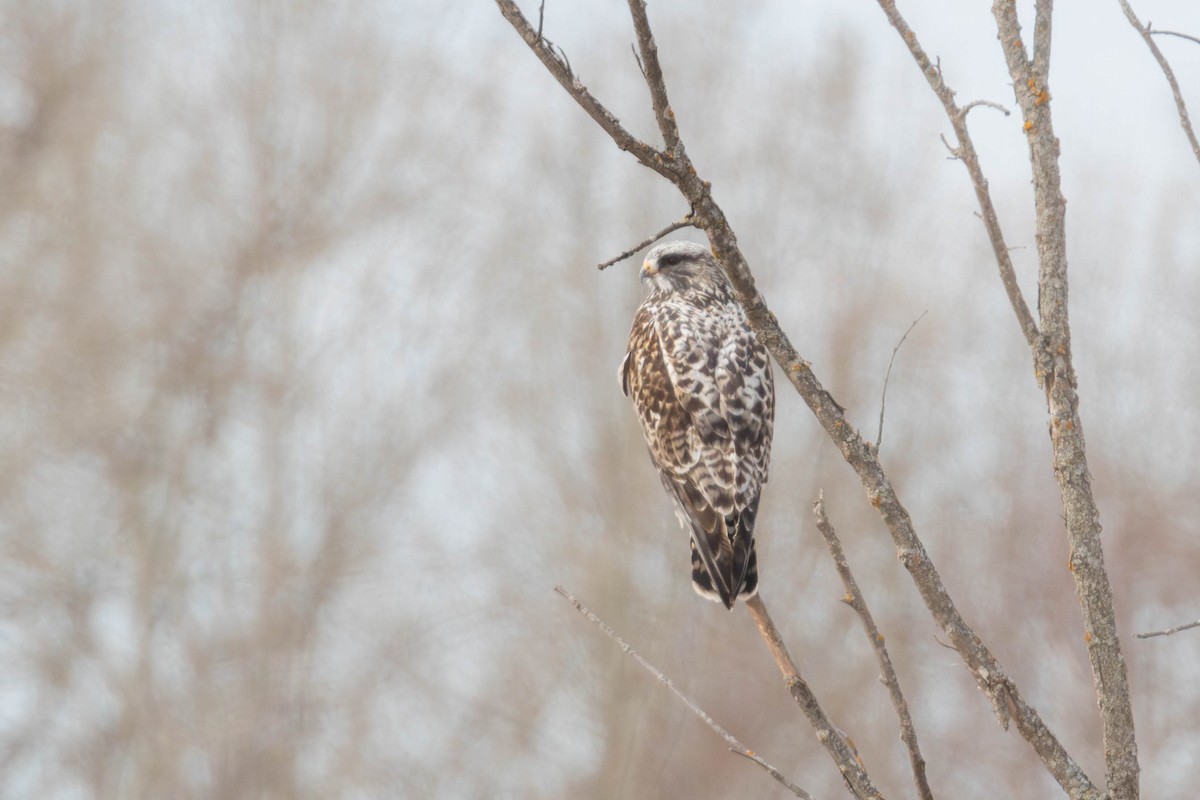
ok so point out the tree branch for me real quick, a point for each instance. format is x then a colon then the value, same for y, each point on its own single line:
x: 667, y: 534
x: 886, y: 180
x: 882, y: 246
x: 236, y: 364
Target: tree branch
x: 1146, y: 34
x: 644, y: 153
x: 652, y: 72
x: 1170, y: 631
x: 970, y: 158
x: 854, y: 598
x: 1006, y: 700
x: 1187, y: 36
x: 734, y: 745
x: 827, y: 733
x: 888, y: 374
x: 1092, y: 588
x: 686, y: 222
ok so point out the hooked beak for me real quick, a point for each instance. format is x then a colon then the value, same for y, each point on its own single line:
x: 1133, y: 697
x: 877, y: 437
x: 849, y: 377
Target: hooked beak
x: 649, y: 269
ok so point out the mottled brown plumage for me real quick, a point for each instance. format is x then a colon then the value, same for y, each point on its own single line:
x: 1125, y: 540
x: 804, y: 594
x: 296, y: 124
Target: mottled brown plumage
x: 701, y: 384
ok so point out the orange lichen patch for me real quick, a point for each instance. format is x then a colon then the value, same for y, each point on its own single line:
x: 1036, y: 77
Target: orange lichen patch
x: 1070, y: 565
x: 879, y: 637
x: 1043, y: 97
x: 1087, y: 637
x: 1028, y: 125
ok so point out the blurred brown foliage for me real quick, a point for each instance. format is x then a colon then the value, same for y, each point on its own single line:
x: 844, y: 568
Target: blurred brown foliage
x: 307, y: 400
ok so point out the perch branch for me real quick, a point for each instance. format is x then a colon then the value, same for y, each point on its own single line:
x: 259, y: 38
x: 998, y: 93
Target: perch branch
x: 734, y: 745
x: 1147, y: 36
x: 827, y: 733
x: 1170, y: 631
x: 1007, y: 702
x: 854, y: 598
x: 686, y: 222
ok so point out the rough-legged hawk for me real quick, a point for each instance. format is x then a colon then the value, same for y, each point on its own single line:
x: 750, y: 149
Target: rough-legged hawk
x: 702, y: 387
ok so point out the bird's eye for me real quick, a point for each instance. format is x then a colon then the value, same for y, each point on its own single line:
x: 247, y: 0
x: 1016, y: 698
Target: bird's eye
x: 670, y: 259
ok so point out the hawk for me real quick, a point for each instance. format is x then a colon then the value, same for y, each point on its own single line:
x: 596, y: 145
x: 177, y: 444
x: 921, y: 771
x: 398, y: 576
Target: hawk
x: 701, y: 384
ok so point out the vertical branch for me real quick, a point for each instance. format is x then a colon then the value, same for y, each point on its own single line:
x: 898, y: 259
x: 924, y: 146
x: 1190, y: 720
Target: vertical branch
x: 887, y: 673
x: 1030, y: 83
x: 1184, y: 120
x: 827, y: 733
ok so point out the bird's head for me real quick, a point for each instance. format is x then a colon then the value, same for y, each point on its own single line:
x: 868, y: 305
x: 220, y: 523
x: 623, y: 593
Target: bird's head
x: 678, y: 266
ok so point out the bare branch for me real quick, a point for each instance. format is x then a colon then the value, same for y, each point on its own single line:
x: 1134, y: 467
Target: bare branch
x: 888, y: 374
x: 561, y: 71
x: 654, y: 79
x: 541, y: 18
x: 686, y: 222
x: 1147, y: 34
x: 638, y: 59
x: 734, y: 745
x: 828, y: 734
x: 1187, y: 36
x: 966, y: 152
x: 1170, y: 631
x: 1006, y: 700
x: 988, y: 103
x: 1092, y: 588
x: 854, y: 598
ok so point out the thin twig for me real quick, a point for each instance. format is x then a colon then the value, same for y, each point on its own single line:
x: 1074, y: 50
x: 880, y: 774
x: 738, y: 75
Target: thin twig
x: 560, y: 69
x: 888, y: 374
x: 734, y: 745
x: 1187, y: 36
x: 687, y: 222
x: 1170, y: 631
x: 638, y: 59
x: 541, y: 17
x: 962, y: 112
x: 828, y: 734
x: 854, y: 598
x: 1147, y: 36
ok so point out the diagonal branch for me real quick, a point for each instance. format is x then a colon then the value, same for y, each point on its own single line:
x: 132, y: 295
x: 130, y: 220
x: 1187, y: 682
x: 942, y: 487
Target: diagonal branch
x: 734, y: 745
x: 1092, y: 588
x: 827, y: 733
x: 854, y: 598
x: 1147, y: 34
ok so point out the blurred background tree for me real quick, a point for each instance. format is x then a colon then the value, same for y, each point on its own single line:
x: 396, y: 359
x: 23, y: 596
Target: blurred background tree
x: 308, y: 399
